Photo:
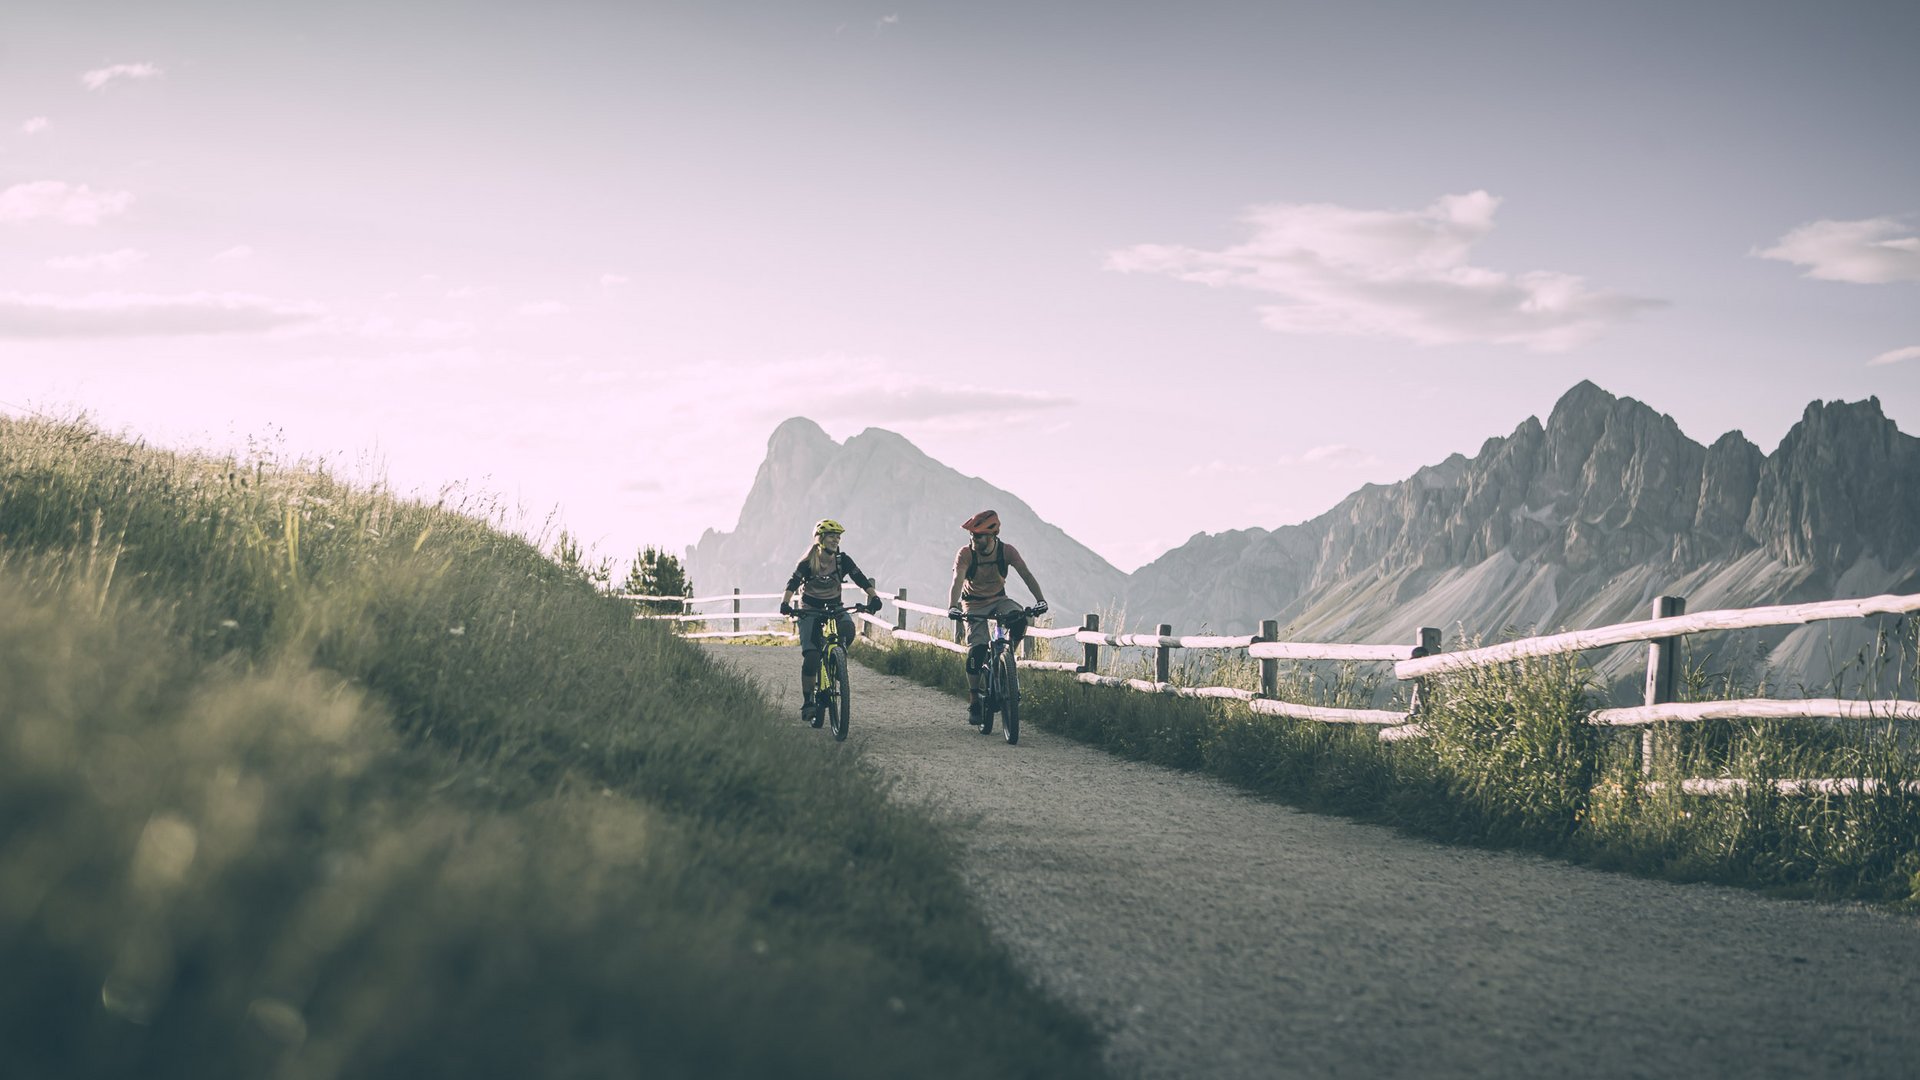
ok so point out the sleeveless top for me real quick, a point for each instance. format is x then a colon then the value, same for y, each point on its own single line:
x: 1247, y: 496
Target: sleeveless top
x: 987, y: 574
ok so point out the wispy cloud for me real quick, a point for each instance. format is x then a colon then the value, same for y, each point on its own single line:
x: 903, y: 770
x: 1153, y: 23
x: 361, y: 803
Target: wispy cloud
x: 98, y: 78
x: 540, y: 308
x: 1329, y: 456
x: 118, y: 315
x: 1333, y: 455
x: 1392, y: 273
x: 885, y: 21
x: 379, y: 327
x: 36, y: 125
x: 1911, y: 352
x: 55, y: 200
x: 236, y: 253
x: 1873, y: 251
x: 610, y: 280
x: 469, y: 292
x: 109, y: 262
x: 875, y: 391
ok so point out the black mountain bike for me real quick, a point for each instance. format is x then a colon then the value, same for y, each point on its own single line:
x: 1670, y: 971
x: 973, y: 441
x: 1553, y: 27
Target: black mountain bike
x: 832, y: 692
x: 1001, y: 690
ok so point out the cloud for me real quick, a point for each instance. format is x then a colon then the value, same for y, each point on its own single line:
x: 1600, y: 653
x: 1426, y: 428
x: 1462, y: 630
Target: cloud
x: 870, y: 391
x: 610, y: 280
x: 1911, y: 352
x: 543, y: 308
x: 119, y: 315
x: 1875, y: 251
x: 236, y: 253
x: 71, y: 204
x: 1339, y: 455
x: 469, y: 292
x: 36, y: 125
x: 1394, y: 274
x: 98, y: 78
x: 885, y: 21
x: 386, y: 328
x: 109, y: 262
x: 1330, y: 456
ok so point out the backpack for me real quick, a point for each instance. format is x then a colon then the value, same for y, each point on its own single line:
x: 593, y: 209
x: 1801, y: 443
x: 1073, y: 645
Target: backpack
x: 973, y: 559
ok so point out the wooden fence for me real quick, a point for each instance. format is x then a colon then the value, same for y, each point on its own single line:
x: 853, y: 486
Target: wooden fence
x: 1423, y: 659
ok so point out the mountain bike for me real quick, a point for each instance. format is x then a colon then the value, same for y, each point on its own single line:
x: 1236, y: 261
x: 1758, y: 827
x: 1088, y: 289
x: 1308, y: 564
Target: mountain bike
x: 832, y: 692
x: 1000, y: 692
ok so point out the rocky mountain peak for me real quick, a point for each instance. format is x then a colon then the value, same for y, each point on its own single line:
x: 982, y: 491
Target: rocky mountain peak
x: 1832, y: 492
x: 797, y: 428
x: 902, y: 510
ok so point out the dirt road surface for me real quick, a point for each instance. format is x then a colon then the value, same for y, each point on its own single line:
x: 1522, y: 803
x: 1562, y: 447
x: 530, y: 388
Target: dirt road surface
x: 1214, y: 934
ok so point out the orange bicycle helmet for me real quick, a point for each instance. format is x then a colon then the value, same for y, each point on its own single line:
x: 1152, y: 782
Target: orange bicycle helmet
x: 986, y: 521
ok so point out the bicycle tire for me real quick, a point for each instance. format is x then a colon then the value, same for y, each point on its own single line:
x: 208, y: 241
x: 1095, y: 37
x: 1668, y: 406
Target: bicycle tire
x: 842, y: 695
x: 1010, y: 698
x: 990, y: 701
x: 822, y: 695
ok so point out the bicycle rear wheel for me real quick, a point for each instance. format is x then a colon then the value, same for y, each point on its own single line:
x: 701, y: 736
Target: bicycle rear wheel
x: 1010, y: 696
x: 842, y: 694
x: 990, y: 699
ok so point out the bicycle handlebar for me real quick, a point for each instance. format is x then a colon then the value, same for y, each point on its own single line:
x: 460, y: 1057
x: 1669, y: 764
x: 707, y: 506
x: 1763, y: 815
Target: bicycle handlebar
x: 834, y: 609
x: 1024, y: 613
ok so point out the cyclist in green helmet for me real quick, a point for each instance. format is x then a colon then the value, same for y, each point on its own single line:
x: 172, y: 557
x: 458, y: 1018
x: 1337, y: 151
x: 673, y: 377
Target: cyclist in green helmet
x: 818, y: 578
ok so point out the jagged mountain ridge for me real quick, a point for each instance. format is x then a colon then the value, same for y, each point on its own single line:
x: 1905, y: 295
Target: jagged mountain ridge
x: 902, y: 510
x: 1579, y: 522
x: 1576, y: 522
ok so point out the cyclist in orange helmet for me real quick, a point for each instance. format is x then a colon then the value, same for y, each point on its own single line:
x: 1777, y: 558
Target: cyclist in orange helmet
x: 817, y: 578
x: 980, y: 590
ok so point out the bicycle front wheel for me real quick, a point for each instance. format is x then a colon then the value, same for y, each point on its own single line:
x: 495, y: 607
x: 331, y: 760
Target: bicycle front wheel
x: 1010, y: 697
x: 842, y: 695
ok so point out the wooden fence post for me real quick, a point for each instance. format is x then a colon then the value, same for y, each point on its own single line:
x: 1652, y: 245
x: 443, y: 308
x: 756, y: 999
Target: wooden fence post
x: 1660, y: 672
x: 1270, y: 669
x: 1163, y: 662
x: 899, y: 613
x: 1093, y: 651
x: 1426, y: 642
x: 736, y: 608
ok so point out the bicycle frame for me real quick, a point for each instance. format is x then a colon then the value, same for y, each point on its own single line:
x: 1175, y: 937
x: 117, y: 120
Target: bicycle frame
x: 829, y: 642
x: 996, y: 697
x: 831, y: 696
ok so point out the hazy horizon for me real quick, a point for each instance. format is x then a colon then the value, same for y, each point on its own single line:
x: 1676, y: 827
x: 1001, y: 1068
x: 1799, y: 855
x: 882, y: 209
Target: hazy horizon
x: 1236, y: 259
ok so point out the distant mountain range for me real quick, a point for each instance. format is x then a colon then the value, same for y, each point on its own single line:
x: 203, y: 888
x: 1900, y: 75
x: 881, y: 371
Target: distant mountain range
x: 902, y: 510
x: 1577, y: 522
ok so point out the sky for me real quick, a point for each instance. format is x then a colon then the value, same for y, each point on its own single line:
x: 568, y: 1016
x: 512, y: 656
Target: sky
x: 1157, y: 269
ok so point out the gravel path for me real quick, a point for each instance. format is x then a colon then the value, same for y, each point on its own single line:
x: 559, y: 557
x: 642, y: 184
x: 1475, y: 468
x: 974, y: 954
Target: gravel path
x: 1218, y: 935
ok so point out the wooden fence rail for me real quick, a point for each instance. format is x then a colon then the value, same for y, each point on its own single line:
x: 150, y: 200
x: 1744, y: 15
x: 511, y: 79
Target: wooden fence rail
x: 1423, y: 660
x: 1653, y: 629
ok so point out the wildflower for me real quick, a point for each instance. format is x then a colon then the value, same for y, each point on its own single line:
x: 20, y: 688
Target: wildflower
x: 229, y: 624
x: 457, y: 631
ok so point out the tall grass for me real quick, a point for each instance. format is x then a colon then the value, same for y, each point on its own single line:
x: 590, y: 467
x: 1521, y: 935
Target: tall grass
x: 301, y: 779
x: 1508, y: 760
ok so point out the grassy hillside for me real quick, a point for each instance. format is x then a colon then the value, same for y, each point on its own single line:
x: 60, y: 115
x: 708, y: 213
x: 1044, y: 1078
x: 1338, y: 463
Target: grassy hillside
x: 303, y: 780
x: 1509, y: 761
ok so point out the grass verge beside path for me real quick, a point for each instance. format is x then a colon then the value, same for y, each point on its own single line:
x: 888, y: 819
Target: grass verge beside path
x: 1508, y: 761
x: 303, y: 780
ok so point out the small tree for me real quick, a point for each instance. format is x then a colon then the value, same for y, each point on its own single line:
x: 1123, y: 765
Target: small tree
x: 656, y: 573
x: 572, y: 558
